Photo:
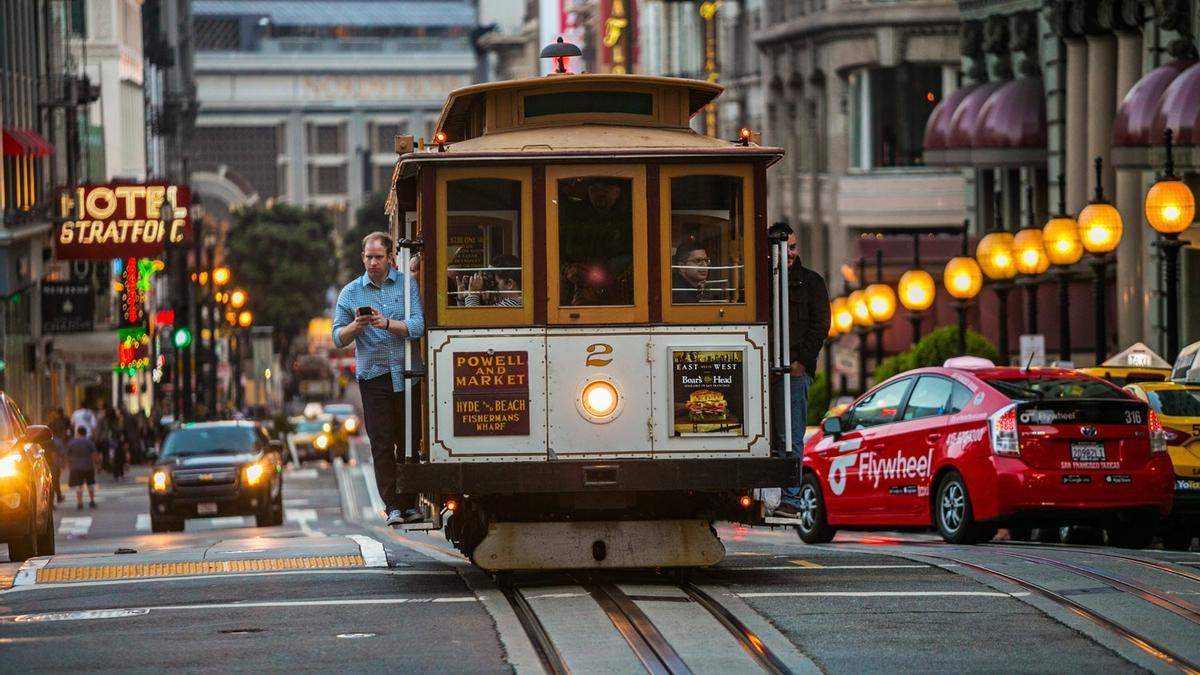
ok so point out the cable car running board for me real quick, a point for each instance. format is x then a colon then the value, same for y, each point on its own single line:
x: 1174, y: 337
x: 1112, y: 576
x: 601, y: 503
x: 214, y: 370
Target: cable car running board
x: 602, y: 544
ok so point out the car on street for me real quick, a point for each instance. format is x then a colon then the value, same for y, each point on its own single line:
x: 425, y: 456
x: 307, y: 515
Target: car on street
x: 1138, y: 363
x: 211, y: 469
x: 345, y: 416
x: 970, y: 447
x: 26, y: 485
x: 1178, y: 407
x: 316, y: 438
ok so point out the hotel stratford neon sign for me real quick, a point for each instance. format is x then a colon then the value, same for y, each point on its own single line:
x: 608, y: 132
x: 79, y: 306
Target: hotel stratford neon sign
x: 102, y: 222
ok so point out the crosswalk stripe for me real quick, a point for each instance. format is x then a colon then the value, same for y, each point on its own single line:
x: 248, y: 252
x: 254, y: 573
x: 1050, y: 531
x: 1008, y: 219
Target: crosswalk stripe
x: 143, y: 522
x: 300, y: 515
x: 75, y: 525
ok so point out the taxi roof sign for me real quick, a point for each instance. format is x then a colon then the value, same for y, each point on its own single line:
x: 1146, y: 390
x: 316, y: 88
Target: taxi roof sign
x: 1187, y: 366
x: 1137, y: 355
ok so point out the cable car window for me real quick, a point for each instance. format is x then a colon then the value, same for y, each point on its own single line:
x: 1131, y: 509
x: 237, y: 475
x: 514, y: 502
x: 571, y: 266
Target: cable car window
x: 483, y: 242
x: 595, y: 241
x: 707, y: 240
x: 562, y: 103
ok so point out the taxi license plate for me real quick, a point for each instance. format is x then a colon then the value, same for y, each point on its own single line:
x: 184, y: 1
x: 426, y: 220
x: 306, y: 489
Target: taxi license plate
x: 206, y: 508
x: 1087, y: 452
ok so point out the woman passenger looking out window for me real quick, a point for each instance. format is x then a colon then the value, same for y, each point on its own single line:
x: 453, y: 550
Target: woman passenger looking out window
x: 499, y: 286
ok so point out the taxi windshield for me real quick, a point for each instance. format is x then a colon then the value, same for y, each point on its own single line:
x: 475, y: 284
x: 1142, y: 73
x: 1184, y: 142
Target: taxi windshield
x: 1052, y: 388
x: 209, y: 441
x: 309, y: 426
x: 1176, y: 402
x: 339, y: 409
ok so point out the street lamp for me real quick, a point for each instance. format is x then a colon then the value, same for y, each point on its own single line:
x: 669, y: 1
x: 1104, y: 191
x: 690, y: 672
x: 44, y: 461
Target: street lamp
x: 917, y: 291
x: 1100, y: 228
x: 995, y: 255
x: 842, y: 318
x: 1029, y: 256
x: 862, y: 328
x: 881, y: 301
x: 963, y: 280
x: 1170, y: 208
x: 1064, y: 248
x: 220, y: 276
x: 237, y: 298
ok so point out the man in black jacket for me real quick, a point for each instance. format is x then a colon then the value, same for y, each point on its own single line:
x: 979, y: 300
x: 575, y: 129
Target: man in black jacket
x: 808, y: 326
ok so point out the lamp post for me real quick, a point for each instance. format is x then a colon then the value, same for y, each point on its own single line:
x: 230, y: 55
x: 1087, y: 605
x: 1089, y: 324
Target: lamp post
x: 1100, y: 229
x: 862, y: 326
x: 830, y: 338
x: 881, y: 301
x: 963, y: 279
x: 1029, y: 256
x: 1170, y: 208
x: 1063, y: 248
x: 917, y: 291
x: 995, y: 256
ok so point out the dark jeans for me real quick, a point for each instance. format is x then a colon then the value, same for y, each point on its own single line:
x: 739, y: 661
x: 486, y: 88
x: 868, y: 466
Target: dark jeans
x: 383, y: 417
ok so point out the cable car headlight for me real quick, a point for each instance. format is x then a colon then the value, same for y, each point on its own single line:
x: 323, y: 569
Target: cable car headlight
x: 599, y: 400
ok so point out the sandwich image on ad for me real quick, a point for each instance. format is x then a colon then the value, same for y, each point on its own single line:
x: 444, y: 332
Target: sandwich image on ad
x: 708, y: 392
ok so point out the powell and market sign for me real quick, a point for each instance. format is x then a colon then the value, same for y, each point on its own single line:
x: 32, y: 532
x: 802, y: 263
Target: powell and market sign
x: 122, y: 220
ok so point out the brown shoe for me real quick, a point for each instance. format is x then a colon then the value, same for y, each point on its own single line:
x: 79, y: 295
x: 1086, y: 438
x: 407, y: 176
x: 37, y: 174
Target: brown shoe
x: 786, y: 511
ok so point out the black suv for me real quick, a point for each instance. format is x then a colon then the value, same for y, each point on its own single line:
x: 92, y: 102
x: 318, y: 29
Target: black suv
x: 26, y: 485
x: 214, y: 469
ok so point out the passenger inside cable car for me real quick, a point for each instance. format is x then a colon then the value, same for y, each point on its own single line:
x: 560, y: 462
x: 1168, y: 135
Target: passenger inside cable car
x: 707, y: 231
x: 483, y: 227
x: 689, y: 274
x: 499, y: 286
x: 595, y: 240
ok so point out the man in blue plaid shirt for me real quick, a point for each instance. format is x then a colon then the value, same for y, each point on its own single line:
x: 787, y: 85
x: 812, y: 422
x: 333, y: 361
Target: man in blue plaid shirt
x: 370, y: 313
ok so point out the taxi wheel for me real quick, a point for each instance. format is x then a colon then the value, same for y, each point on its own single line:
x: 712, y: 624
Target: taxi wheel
x: 954, y: 516
x: 45, y: 540
x: 1136, y: 534
x: 813, y: 528
x: 1177, y: 539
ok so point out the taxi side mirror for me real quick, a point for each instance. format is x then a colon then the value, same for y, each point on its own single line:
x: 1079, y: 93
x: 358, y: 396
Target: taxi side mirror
x: 832, y: 426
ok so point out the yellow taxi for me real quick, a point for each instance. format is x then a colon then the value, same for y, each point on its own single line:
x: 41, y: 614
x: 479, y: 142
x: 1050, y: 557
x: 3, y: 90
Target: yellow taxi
x: 1138, y: 363
x: 1177, y: 403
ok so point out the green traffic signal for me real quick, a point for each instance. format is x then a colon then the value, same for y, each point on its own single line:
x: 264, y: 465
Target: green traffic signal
x: 183, y: 337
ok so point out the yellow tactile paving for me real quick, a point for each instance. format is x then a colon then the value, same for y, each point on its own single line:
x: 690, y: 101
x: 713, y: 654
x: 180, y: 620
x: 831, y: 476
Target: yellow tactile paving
x: 59, y: 575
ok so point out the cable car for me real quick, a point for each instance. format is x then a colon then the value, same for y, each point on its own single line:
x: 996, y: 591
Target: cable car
x: 597, y: 282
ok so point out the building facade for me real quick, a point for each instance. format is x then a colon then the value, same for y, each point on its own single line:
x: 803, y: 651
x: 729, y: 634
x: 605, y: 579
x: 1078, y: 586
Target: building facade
x: 300, y: 102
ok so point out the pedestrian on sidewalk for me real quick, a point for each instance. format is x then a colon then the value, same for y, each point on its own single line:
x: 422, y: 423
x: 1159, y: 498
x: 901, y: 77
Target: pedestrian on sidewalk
x: 82, y: 458
x: 807, y: 315
x: 60, y: 434
x: 370, y: 314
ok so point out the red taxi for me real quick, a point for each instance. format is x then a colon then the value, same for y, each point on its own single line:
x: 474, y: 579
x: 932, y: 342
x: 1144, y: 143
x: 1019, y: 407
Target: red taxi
x: 970, y: 447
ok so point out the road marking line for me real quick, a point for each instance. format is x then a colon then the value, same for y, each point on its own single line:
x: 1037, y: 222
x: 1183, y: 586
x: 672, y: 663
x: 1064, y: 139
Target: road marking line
x: 27, y: 575
x: 879, y: 594
x: 302, y: 474
x: 124, y: 612
x: 143, y: 523
x: 804, y: 563
x: 295, y: 502
x: 229, y: 521
x: 371, y: 549
x: 78, y: 526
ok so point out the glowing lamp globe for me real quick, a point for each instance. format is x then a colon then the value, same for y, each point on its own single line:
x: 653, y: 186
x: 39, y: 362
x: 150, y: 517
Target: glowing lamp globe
x: 1170, y: 206
x: 995, y: 256
x: 842, y: 318
x: 833, y: 328
x: 917, y: 290
x: 1100, y: 227
x: 1029, y: 252
x: 963, y: 278
x: 860, y: 309
x: 881, y: 301
x: 1060, y: 236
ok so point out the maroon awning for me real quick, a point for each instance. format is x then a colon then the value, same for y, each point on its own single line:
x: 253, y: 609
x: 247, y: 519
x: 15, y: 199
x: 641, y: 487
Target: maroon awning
x: 957, y: 125
x: 962, y: 126
x: 1011, y: 127
x: 1179, y: 109
x: 1135, y: 118
x: 937, y: 129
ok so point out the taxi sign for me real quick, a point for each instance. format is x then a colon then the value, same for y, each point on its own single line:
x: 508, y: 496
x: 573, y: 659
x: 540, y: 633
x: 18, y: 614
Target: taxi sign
x: 1187, y: 367
x: 1138, y: 355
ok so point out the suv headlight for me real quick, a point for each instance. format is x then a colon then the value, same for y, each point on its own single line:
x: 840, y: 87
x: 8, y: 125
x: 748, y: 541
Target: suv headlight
x: 160, y: 481
x: 254, y: 474
x: 10, y: 465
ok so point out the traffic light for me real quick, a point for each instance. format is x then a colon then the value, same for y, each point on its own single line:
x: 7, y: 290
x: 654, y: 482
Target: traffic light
x: 182, y: 337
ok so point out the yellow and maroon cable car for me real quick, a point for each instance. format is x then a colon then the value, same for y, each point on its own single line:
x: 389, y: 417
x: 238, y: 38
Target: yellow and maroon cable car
x: 595, y: 283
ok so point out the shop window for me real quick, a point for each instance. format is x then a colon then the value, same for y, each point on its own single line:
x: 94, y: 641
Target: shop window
x: 888, y: 109
x: 326, y: 139
x: 327, y: 180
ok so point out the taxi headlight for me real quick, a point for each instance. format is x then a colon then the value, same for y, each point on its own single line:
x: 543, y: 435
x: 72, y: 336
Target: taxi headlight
x: 600, y: 400
x: 254, y: 474
x: 326, y: 428
x: 321, y: 442
x: 10, y: 465
x: 350, y: 424
x: 160, y: 481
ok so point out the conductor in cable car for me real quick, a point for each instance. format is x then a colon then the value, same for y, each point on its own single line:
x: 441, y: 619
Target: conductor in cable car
x: 689, y: 273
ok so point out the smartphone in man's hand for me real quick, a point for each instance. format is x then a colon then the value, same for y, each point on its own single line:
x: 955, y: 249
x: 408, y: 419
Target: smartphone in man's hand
x: 364, y: 311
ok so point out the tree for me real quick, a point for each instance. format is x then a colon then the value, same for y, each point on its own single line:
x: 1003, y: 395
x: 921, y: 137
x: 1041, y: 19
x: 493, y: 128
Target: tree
x: 933, y: 350
x: 280, y: 256
x: 368, y: 218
